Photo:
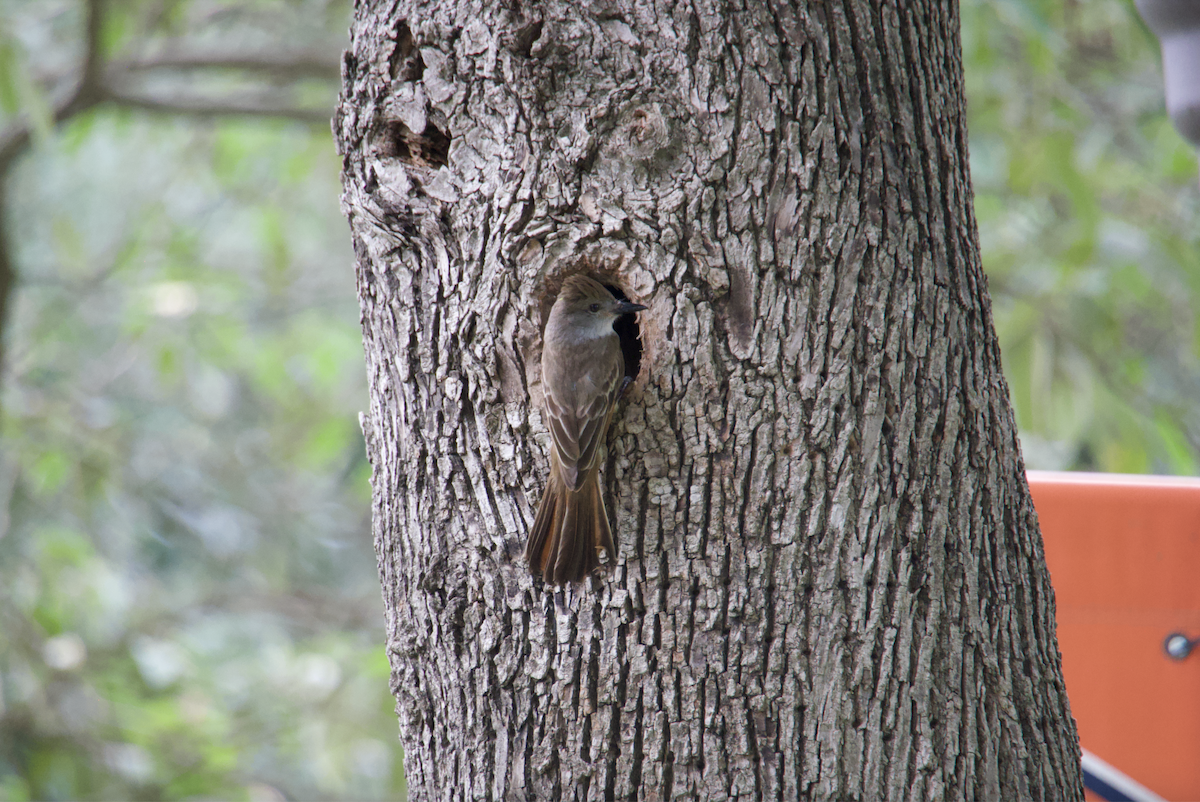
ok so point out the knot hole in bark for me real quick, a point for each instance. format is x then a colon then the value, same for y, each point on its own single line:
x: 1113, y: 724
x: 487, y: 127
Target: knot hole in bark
x: 523, y: 39
x: 627, y: 329
x: 405, y: 62
x: 429, y: 148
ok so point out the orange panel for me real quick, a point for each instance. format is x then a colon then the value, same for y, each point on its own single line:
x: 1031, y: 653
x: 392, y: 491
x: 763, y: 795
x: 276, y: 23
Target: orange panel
x: 1124, y: 557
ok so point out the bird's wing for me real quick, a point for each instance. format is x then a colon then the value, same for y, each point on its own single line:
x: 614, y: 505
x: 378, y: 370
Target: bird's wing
x: 578, y: 432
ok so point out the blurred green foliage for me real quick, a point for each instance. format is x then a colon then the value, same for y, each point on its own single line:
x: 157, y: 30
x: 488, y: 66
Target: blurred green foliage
x: 1089, y: 220
x: 189, y: 605
x: 188, y: 600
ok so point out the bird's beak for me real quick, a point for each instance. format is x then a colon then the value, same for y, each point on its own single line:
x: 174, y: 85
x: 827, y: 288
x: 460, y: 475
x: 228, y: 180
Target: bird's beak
x: 627, y: 308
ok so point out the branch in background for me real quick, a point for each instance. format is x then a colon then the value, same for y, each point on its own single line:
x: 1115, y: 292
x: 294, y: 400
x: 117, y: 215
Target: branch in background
x: 303, y: 64
x: 93, y: 58
x: 16, y: 137
x: 245, y: 105
x: 83, y: 93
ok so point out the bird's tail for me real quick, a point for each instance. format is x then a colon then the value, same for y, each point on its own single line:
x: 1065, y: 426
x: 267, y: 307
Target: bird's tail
x: 570, y: 530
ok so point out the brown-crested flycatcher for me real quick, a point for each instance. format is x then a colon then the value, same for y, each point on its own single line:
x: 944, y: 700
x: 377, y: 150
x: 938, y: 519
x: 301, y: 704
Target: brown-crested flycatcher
x: 583, y: 373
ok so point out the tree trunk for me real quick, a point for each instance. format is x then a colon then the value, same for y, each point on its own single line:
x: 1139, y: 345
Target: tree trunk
x: 830, y: 581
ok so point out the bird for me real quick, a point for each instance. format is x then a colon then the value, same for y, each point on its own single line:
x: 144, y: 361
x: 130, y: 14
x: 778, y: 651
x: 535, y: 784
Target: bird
x: 583, y: 374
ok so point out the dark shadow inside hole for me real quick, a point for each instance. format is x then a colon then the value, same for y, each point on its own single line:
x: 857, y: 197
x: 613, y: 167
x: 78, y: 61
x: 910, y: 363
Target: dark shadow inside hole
x: 430, y: 148
x: 626, y: 328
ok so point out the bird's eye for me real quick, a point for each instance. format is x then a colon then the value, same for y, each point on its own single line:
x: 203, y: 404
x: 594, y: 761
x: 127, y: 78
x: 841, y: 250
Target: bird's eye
x: 594, y: 308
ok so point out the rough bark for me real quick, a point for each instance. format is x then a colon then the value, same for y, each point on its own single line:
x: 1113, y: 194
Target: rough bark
x: 830, y: 581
